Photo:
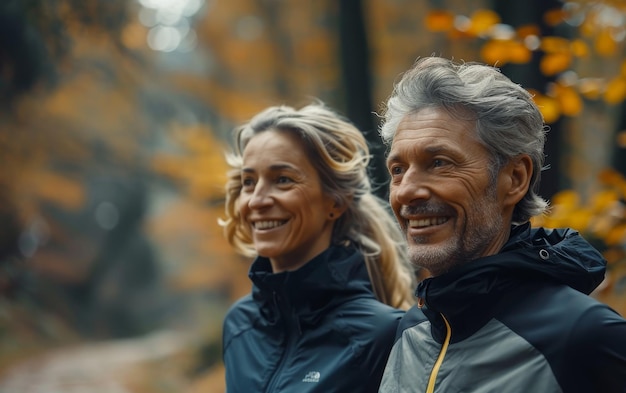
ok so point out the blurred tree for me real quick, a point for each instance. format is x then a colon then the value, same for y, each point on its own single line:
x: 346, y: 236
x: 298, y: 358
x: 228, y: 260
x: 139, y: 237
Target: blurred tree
x: 36, y: 37
x: 520, y: 15
x: 356, y: 75
x: 111, y: 142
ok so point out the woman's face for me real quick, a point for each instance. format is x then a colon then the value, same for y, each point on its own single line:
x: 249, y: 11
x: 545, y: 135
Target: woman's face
x: 282, y: 201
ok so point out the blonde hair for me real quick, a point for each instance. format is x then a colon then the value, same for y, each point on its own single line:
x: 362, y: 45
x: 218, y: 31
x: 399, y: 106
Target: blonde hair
x: 340, y: 154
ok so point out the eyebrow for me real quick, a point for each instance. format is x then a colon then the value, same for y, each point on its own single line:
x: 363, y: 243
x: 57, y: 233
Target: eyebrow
x: 432, y: 149
x: 273, y: 168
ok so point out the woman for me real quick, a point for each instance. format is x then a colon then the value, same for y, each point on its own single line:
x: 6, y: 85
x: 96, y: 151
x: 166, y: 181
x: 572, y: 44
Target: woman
x: 330, y: 277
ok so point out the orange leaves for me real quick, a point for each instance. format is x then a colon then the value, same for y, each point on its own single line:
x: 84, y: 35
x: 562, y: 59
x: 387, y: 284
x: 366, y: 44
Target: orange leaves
x: 579, y: 48
x: 439, y: 20
x: 561, y: 100
x: 548, y: 106
x: 552, y: 64
x: 569, y: 100
x: 505, y: 51
x: 482, y: 21
x: 552, y: 44
x: 554, y: 16
x: 202, y: 168
x: 604, y: 44
x: 559, y: 54
x: 58, y: 189
x: 599, y: 33
x: 615, y: 91
x: 601, y: 216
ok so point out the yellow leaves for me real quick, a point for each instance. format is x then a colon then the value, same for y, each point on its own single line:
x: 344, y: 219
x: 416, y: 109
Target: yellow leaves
x: 613, y: 179
x: 579, y: 48
x: 482, y: 21
x: 615, y: 91
x: 552, y: 44
x: 58, y: 189
x: 548, y: 106
x: 569, y: 100
x: 559, y: 54
x: 202, y: 169
x: 505, y: 51
x: 566, y: 198
x: 605, y: 44
x: 565, y: 212
x: 599, y: 33
x: 555, y: 63
x: 602, y: 215
x: 561, y: 100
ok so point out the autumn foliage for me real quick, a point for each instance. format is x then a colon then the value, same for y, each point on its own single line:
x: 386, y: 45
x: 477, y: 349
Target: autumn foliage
x: 112, y: 144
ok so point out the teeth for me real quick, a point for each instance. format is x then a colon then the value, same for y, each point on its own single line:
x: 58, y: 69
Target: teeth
x: 267, y: 224
x: 426, y: 222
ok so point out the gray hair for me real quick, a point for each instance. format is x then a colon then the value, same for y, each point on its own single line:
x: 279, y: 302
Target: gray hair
x: 508, y: 122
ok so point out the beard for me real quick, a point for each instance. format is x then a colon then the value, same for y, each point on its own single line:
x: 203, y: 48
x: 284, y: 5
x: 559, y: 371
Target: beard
x: 482, y: 225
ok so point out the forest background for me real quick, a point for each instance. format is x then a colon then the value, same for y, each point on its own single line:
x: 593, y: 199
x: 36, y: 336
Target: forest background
x: 115, y: 116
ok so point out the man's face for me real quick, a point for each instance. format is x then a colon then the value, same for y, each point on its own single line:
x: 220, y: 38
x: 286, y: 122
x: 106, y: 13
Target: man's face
x: 442, y: 193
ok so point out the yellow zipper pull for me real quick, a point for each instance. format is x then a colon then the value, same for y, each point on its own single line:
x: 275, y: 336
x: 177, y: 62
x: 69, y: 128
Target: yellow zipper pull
x: 442, y: 354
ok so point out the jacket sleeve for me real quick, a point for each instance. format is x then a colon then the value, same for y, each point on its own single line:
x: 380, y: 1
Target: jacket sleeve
x: 602, y: 347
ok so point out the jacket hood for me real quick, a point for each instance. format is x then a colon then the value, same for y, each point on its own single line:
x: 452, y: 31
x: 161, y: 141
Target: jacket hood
x: 560, y: 256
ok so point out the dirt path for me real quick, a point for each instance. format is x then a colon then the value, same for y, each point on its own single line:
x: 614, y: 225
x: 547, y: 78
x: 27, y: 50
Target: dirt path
x: 91, y: 368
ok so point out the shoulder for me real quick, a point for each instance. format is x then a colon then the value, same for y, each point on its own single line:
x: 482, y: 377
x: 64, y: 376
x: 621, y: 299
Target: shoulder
x: 578, y: 335
x: 597, y: 327
x: 239, y: 317
x: 594, y: 344
x: 241, y: 307
x: 413, y: 317
x: 369, y: 308
x: 368, y: 317
x: 540, y: 312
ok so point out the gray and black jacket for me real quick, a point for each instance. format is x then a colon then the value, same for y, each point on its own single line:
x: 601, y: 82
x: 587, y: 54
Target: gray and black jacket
x: 315, y: 329
x: 519, y: 321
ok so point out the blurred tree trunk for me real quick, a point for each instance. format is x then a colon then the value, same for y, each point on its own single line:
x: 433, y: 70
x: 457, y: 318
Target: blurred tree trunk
x: 355, y: 71
x: 528, y: 75
x: 619, y: 149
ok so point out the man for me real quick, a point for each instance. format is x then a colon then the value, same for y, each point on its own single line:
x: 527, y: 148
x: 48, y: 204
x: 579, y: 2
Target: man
x: 505, y: 308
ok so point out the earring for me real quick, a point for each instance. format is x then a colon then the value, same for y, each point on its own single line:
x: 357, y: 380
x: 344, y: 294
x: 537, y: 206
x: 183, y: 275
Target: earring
x: 332, y: 215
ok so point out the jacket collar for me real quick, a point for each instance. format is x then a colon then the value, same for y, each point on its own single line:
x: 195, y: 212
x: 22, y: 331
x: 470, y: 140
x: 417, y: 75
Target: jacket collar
x: 465, y: 295
x: 336, y: 271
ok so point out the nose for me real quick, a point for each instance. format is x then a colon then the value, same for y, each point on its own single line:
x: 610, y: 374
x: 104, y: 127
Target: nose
x: 260, y: 197
x: 412, y: 187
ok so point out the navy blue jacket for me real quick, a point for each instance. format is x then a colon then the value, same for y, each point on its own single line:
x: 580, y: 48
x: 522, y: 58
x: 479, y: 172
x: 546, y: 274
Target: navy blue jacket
x: 519, y: 321
x: 315, y: 329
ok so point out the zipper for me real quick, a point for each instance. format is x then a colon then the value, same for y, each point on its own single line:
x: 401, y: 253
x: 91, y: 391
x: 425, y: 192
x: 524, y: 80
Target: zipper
x: 444, y: 348
x: 290, y: 341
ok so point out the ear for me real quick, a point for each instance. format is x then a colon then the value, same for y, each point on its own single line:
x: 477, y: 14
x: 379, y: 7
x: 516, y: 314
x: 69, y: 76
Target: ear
x: 337, y: 209
x: 515, y: 179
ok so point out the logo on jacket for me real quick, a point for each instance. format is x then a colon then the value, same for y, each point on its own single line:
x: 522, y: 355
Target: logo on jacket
x: 312, y: 376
